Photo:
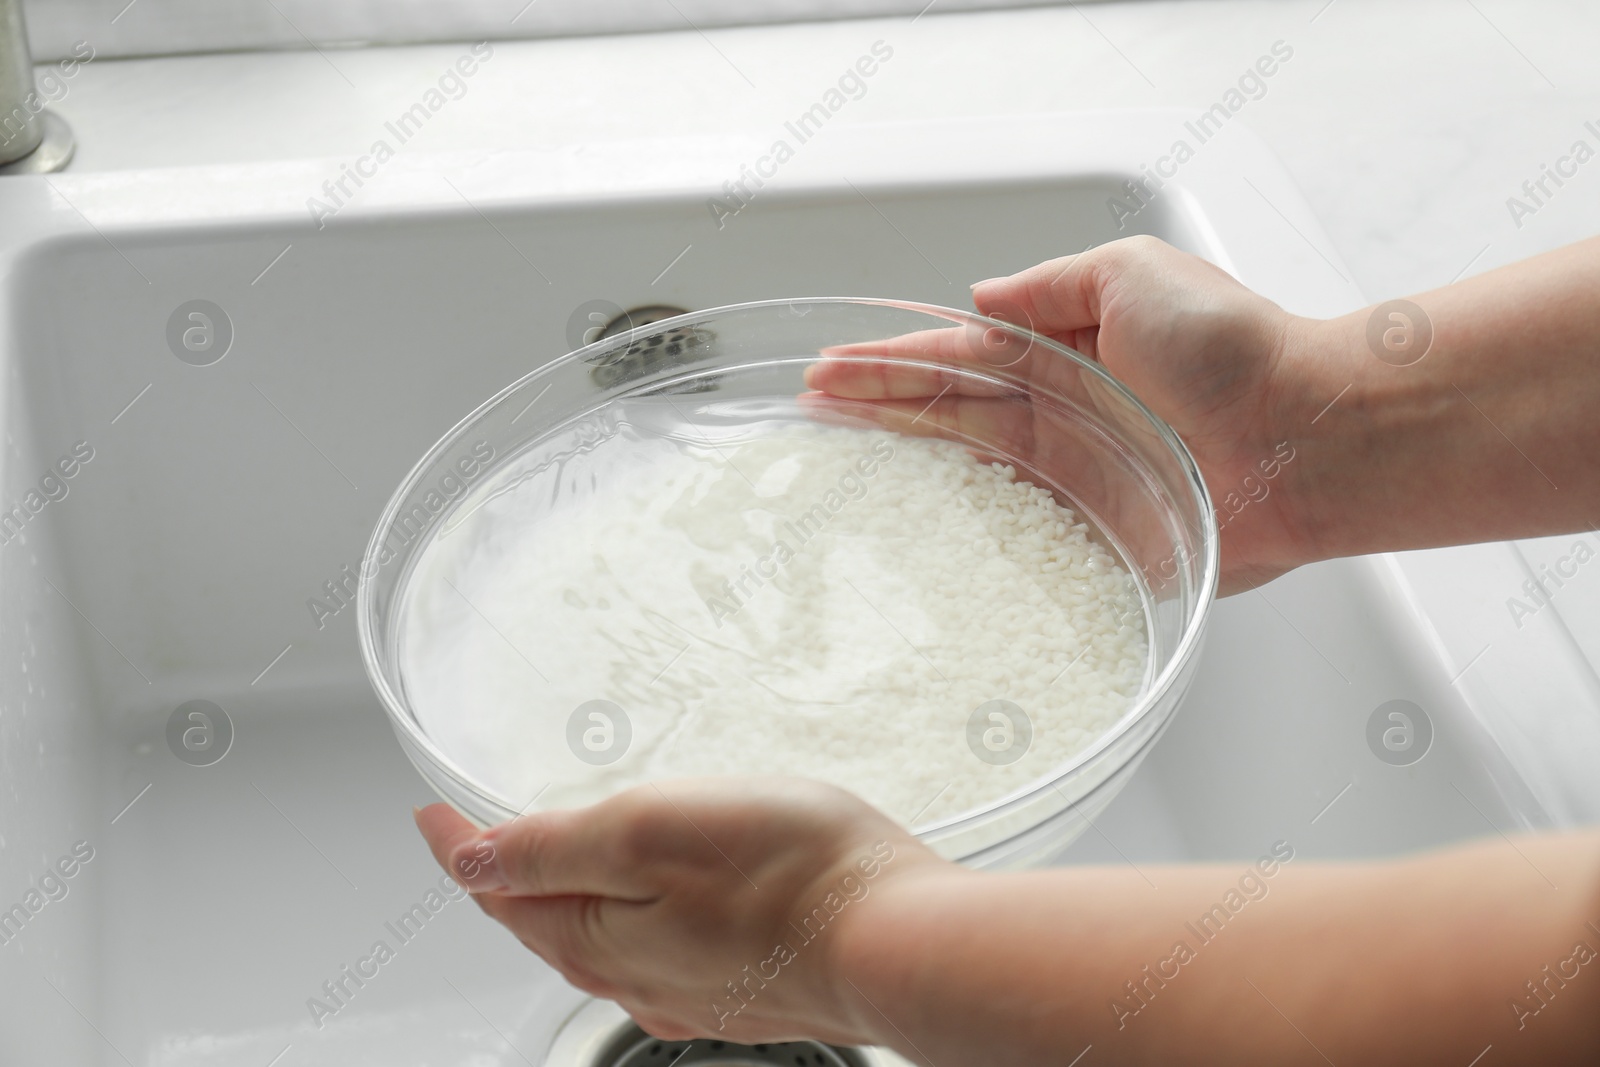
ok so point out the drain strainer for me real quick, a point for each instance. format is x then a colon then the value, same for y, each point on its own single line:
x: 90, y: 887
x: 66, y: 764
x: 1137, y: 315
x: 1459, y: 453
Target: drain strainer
x: 651, y: 353
x: 642, y: 1050
x: 633, y: 318
x: 600, y: 1034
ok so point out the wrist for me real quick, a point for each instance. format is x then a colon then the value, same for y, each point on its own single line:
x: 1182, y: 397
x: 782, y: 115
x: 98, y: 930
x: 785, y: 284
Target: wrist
x: 1311, y: 377
x: 879, y: 950
x: 1364, y: 432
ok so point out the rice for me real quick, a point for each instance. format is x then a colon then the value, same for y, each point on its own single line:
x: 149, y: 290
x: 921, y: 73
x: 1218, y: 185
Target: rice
x: 883, y: 612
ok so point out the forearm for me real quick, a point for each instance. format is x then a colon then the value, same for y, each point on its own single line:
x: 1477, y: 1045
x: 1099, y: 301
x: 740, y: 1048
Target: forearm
x: 1493, y: 434
x: 1407, y: 963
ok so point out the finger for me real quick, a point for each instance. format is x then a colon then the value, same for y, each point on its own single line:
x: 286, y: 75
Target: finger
x: 560, y: 930
x: 1053, y: 297
x: 1087, y: 342
x: 557, y: 928
x: 838, y: 411
x: 554, y: 853
x: 995, y: 429
x: 1064, y: 295
x: 570, y: 935
x: 864, y: 378
x: 446, y: 832
x: 964, y: 359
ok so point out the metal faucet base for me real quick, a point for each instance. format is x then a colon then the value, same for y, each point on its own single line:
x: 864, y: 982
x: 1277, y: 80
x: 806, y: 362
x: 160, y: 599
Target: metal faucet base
x: 54, y: 151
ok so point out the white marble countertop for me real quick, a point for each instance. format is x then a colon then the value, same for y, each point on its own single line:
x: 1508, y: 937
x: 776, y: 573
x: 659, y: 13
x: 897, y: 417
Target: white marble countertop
x: 1407, y: 125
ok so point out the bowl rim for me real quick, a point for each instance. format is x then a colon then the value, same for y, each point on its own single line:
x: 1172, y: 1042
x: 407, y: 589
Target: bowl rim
x: 1194, y: 626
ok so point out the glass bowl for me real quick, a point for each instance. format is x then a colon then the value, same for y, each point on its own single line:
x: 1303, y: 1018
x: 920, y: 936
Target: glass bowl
x: 1058, y: 418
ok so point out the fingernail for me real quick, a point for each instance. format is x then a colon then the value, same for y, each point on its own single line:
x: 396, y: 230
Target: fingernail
x: 986, y: 281
x: 476, y: 865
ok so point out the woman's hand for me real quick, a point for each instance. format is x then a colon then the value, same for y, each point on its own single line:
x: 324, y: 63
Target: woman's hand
x: 706, y: 908
x: 767, y: 909
x: 1220, y: 364
x: 761, y: 909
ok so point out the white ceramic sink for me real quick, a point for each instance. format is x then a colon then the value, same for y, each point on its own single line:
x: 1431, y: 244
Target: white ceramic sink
x: 220, y: 499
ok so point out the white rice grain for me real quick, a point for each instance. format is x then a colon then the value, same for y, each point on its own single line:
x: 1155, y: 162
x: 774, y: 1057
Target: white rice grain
x: 821, y: 601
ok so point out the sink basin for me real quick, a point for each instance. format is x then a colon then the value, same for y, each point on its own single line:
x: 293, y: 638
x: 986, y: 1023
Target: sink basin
x: 237, y: 386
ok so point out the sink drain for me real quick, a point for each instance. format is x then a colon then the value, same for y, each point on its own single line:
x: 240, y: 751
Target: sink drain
x: 634, y: 318
x: 649, y: 354
x: 642, y: 1050
x: 600, y: 1034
